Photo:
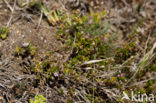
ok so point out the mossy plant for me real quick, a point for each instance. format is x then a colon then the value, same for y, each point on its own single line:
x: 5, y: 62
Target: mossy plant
x: 38, y: 99
x: 123, y: 53
x: 152, y: 67
x: 150, y: 86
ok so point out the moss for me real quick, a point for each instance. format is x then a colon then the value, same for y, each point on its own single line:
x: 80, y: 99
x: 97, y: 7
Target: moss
x: 152, y: 67
x: 123, y: 53
x: 150, y: 86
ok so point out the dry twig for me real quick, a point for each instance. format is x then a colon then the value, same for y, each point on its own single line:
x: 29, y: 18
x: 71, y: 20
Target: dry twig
x: 11, y: 9
x: 41, y: 16
x: 11, y: 13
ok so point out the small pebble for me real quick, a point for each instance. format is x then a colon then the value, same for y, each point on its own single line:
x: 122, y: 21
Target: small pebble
x: 22, y: 35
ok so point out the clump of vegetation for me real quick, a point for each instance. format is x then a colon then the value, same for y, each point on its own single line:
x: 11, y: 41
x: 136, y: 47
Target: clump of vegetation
x: 85, y: 24
x: 38, y: 99
x: 4, y: 32
x: 123, y: 53
x: 52, y: 15
x: 27, y: 49
x: 92, y: 61
x: 85, y: 36
x: 87, y: 39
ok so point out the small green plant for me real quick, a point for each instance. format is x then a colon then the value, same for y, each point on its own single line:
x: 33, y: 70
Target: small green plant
x: 52, y: 16
x: 26, y: 50
x: 86, y: 35
x: 4, y: 32
x: 86, y: 24
x: 26, y: 3
x: 38, y: 99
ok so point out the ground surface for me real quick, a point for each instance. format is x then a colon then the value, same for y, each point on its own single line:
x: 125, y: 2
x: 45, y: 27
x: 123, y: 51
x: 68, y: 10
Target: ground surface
x: 18, y: 84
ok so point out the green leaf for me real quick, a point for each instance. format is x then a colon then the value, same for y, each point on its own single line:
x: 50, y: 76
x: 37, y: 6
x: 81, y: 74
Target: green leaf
x: 106, y: 28
x: 43, y: 9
